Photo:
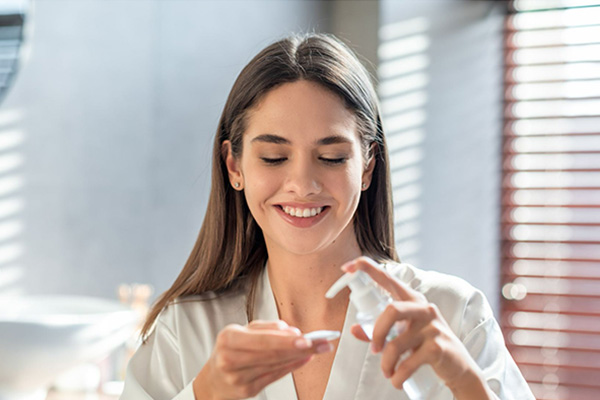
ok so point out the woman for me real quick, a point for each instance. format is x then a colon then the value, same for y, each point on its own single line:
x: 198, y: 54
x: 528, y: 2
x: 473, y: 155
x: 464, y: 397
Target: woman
x: 300, y: 194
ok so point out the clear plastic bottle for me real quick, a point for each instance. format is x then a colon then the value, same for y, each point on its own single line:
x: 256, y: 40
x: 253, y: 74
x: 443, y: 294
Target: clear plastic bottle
x: 370, y: 301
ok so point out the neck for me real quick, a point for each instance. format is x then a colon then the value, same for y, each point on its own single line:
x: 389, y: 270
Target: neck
x: 299, y: 283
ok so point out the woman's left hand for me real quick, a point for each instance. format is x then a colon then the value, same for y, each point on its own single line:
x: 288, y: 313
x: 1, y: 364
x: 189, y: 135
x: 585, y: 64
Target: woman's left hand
x: 427, y: 334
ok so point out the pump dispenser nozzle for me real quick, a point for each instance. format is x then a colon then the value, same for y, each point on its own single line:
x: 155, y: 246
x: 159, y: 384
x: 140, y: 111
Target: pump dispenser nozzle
x: 365, y: 296
x: 368, y: 299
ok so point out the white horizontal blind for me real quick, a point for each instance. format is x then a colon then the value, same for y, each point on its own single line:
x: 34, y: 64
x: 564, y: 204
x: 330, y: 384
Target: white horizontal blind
x: 551, y: 196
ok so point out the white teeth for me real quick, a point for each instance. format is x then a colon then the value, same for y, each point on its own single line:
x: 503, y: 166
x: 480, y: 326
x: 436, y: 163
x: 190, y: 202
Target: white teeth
x: 302, y: 212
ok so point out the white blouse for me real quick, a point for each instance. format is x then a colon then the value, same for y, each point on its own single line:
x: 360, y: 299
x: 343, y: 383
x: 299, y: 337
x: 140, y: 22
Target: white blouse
x: 184, y: 335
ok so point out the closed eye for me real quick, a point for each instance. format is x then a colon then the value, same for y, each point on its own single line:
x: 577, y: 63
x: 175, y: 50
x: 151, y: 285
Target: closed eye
x: 273, y: 161
x: 334, y: 160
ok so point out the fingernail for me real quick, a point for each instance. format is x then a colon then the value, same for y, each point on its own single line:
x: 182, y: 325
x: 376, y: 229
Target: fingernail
x: 387, y: 374
x: 374, y: 348
x: 324, y: 348
x: 302, y: 343
x: 282, y: 324
x: 295, y: 330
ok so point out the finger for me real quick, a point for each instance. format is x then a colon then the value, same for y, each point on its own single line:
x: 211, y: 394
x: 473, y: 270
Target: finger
x: 398, y: 350
x: 270, y: 377
x: 359, y: 333
x: 251, y: 382
x: 401, y: 315
x: 408, y: 367
x: 229, y: 359
x: 326, y: 335
x: 243, y: 338
x: 239, y: 360
x: 256, y: 371
x: 397, y: 289
x: 274, y: 325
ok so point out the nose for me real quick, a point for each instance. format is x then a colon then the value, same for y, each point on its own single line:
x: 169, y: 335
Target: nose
x: 303, y: 179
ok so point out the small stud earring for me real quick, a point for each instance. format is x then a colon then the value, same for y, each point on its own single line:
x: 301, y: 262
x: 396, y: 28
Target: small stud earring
x: 237, y: 185
x: 364, y: 185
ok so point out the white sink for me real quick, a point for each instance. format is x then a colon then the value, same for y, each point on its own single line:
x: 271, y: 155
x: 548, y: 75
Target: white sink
x: 43, y: 336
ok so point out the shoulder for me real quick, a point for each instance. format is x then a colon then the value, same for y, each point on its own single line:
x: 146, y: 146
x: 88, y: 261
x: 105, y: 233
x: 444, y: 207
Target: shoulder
x: 434, y: 285
x: 201, y: 317
x: 182, y: 338
x: 463, y: 306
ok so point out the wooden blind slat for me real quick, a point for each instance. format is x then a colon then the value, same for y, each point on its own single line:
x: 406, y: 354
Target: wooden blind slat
x: 552, y: 215
x: 549, y: 268
x: 556, y: 233
x: 552, y: 55
x: 548, y: 19
x: 552, y: 126
x: 553, y: 73
x: 551, y: 285
x: 568, y: 304
x: 554, y: 36
x: 551, y: 321
x: 565, y: 375
x: 557, y: 90
x: 537, y: 5
x: 551, y: 391
x: 552, y: 162
x: 553, y: 339
x: 583, y: 197
x: 554, y: 357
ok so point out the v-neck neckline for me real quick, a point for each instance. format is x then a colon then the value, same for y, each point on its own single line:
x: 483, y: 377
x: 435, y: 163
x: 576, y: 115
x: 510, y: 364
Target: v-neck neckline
x: 348, y: 362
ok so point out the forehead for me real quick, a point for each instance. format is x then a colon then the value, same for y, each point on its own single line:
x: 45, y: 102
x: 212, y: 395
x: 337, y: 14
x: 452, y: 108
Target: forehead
x: 301, y: 111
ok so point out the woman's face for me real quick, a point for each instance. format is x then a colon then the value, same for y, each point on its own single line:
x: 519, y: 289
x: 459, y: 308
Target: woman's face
x: 301, y: 168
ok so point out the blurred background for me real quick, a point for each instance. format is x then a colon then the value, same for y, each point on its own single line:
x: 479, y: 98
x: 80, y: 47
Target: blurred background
x: 492, y: 115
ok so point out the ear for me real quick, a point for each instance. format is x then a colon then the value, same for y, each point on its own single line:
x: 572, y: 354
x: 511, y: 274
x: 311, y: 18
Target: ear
x: 368, y: 172
x: 233, y: 167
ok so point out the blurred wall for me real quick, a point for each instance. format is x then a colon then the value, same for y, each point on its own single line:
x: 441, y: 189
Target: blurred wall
x: 357, y: 22
x: 442, y: 96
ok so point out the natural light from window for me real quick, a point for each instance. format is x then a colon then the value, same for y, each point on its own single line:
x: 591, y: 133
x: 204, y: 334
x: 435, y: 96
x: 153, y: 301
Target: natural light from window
x: 403, y: 78
x: 11, y: 202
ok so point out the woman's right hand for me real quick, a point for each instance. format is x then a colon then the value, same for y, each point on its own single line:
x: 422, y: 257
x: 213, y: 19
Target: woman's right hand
x: 248, y: 358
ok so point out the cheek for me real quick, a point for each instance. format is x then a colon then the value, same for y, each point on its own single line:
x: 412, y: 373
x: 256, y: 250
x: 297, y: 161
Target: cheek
x: 259, y: 187
x: 346, y: 186
x: 350, y: 183
x: 355, y: 183
x: 354, y: 176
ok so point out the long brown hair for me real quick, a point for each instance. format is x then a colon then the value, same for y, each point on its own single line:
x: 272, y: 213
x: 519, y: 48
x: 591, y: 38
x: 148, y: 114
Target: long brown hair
x: 230, y: 251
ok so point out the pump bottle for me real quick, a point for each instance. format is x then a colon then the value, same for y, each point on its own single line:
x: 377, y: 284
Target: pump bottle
x: 370, y: 301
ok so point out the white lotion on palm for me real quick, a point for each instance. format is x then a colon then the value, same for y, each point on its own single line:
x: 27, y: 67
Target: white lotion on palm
x: 320, y: 335
x: 370, y: 301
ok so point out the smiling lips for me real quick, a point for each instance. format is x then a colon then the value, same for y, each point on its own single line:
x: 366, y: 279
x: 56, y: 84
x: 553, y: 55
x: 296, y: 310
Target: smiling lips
x: 302, y: 217
x: 304, y: 213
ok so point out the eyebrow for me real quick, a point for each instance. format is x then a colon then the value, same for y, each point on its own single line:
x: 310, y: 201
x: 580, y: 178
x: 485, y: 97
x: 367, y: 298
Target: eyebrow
x: 270, y: 138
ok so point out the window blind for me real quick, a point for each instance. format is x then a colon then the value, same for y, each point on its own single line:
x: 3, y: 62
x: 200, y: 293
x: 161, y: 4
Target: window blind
x: 551, y: 196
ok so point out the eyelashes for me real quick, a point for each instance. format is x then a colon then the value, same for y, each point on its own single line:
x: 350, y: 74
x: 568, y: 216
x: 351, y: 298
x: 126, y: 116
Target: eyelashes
x: 273, y: 161
x: 334, y: 160
x: 331, y: 161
